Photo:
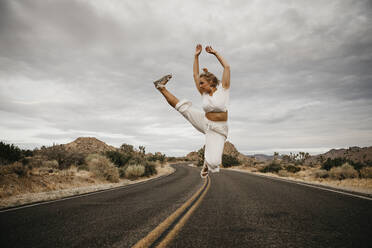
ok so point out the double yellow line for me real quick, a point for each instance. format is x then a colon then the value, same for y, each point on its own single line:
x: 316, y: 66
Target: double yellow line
x: 165, y: 232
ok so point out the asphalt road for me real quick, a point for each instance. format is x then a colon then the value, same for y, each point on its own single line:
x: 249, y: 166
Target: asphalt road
x: 238, y: 210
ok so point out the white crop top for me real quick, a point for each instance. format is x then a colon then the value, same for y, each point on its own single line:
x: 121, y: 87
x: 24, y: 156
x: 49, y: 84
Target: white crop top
x: 218, y: 101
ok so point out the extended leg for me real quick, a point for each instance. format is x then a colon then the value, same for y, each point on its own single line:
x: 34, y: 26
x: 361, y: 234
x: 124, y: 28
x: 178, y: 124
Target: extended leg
x: 171, y: 99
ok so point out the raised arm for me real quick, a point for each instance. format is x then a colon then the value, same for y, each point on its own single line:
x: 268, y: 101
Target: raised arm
x: 226, y: 67
x: 196, y: 67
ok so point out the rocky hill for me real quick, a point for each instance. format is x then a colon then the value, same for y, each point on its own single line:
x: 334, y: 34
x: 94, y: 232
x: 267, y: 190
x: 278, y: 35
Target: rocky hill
x: 192, y: 156
x: 355, y: 154
x: 230, y: 149
x: 88, y: 145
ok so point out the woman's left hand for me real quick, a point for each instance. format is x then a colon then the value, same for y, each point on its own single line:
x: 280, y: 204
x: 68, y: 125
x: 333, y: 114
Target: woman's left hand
x: 210, y: 50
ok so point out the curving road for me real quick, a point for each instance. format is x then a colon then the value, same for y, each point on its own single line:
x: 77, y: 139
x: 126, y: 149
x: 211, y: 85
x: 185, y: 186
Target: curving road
x: 238, y: 210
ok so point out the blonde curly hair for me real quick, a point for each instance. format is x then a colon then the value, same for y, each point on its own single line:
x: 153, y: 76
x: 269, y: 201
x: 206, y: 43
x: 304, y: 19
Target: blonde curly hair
x: 210, y: 77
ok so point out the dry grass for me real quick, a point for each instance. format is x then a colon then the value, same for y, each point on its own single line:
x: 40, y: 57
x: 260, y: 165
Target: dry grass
x: 366, y: 172
x: 343, y: 172
x: 102, y: 167
x: 134, y: 171
x: 16, y: 168
x: 319, y: 173
x: 284, y: 173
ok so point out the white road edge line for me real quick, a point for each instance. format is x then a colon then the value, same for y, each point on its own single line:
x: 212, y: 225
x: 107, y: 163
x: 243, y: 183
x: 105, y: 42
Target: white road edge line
x: 305, y: 184
x: 85, y: 194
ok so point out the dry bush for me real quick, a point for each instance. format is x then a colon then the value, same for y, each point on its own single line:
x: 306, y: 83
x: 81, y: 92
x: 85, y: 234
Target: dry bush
x: 366, y: 172
x: 52, y: 164
x: 320, y: 173
x: 272, y: 167
x: 122, y: 171
x: 283, y: 173
x: 102, y: 167
x: 70, y: 172
x: 150, y: 168
x: 134, y: 171
x: 35, y: 161
x: 344, y: 171
x: 16, y: 168
x: 64, y: 157
x: 292, y: 168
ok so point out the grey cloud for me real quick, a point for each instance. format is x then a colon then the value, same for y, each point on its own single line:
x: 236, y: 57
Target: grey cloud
x: 94, y: 63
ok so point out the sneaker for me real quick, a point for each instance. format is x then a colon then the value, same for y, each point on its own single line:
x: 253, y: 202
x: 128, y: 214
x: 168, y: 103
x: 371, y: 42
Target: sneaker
x: 204, y: 172
x: 162, y: 81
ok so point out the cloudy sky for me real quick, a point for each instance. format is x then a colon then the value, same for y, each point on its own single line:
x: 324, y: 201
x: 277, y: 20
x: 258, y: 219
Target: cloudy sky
x: 301, y: 72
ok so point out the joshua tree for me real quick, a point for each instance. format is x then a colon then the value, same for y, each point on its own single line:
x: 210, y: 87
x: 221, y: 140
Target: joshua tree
x: 126, y: 148
x: 142, y: 149
x: 276, y: 154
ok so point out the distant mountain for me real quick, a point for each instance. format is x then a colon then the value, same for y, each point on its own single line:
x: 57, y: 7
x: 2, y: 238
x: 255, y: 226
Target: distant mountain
x: 262, y: 157
x: 354, y: 153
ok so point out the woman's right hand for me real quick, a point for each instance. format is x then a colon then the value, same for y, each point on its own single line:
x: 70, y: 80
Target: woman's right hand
x: 198, y: 49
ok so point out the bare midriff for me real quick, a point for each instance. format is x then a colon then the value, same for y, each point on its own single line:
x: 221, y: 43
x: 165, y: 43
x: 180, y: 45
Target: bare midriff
x: 216, y: 116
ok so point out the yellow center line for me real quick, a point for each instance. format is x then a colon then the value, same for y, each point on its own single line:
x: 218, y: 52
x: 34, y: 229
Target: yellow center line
x: 162, y: 227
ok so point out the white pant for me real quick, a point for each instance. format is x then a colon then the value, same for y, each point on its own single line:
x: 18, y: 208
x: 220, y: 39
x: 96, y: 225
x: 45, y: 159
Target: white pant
x: 215, y: 133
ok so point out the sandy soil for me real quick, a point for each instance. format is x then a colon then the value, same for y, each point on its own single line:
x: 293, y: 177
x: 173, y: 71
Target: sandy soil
x: 44, y: 187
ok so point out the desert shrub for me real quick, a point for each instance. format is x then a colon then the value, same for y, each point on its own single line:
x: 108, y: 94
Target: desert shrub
x: 171, y: 159
x: 272, y: 167
x: 35, y: 161
x: 150, y: 169
x: 10, y: 153
x: 283, y: 173
x: 137, y: 159
x: 126, y: 148
x: 102, y: 167
x: 64, y: 158
x: 134, y: 171
x: 344, y: 171
x: 330, y: 163
x: 292, y: 168
x: 16, y: 168
x: 20, y: 169
x: 158, y: 157
x: 53, y: 164
x: 320, y: 173
x: 70, y: 172
x: 118, y: 158
x: 366, y: 172
x: 25, y: 161
x: 122, y: 171
x: 228, y: 160
x: 356, y: 165
x: 201, y: 156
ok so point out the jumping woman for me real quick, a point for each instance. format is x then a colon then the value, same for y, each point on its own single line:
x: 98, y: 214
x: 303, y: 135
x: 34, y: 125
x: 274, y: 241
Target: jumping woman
x: 215, y: 97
